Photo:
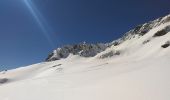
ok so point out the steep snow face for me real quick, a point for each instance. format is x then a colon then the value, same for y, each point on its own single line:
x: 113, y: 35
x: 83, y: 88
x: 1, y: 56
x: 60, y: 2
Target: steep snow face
x: 134, y: 68
x: 151, y: 44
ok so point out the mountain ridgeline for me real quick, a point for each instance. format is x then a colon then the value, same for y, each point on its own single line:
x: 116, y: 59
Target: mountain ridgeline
x: 82, y: 49
x: 91, y: 50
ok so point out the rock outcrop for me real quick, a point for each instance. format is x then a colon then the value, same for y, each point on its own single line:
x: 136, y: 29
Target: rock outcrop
x: 83, y: 49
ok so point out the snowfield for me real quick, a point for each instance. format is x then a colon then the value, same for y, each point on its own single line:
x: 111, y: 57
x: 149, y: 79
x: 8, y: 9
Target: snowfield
x: 140, y: 71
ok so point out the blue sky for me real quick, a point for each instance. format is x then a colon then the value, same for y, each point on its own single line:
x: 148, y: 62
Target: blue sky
x: 31, y: 29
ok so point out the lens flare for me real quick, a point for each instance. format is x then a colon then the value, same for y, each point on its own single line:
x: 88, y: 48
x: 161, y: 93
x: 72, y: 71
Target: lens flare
x: 39, y: 19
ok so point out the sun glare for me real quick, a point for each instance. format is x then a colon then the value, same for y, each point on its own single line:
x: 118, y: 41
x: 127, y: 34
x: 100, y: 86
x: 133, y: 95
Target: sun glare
x: 39, y: 19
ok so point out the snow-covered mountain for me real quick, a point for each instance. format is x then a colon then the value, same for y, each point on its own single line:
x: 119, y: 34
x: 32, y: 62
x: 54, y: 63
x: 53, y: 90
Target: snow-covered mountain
x: 91, y: 50
x: 134, y: 67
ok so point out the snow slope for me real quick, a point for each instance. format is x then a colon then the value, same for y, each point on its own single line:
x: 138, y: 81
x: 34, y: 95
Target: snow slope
x: 140, y: 71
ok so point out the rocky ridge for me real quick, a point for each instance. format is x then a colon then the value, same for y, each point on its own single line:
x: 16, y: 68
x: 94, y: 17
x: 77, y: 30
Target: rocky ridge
x: 91, y: 50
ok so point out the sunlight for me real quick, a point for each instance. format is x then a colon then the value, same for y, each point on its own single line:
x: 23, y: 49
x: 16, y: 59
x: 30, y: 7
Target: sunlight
x: 39, y: 19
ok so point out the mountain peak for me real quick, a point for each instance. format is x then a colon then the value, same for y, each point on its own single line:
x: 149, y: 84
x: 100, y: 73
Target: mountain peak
x: 91, y: 50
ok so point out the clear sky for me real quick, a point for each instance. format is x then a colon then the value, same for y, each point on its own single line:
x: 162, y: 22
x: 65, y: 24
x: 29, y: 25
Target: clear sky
x: 31, y: 29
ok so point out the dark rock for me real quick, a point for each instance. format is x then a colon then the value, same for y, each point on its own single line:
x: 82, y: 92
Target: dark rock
x: 3, y: 80
x: 49, y: 56
x: 146, y: 41
x: 110, y: 54
x: 57, y: 65
x: 162, y: 32
x: 116, y: 43
x: 167, y: 44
